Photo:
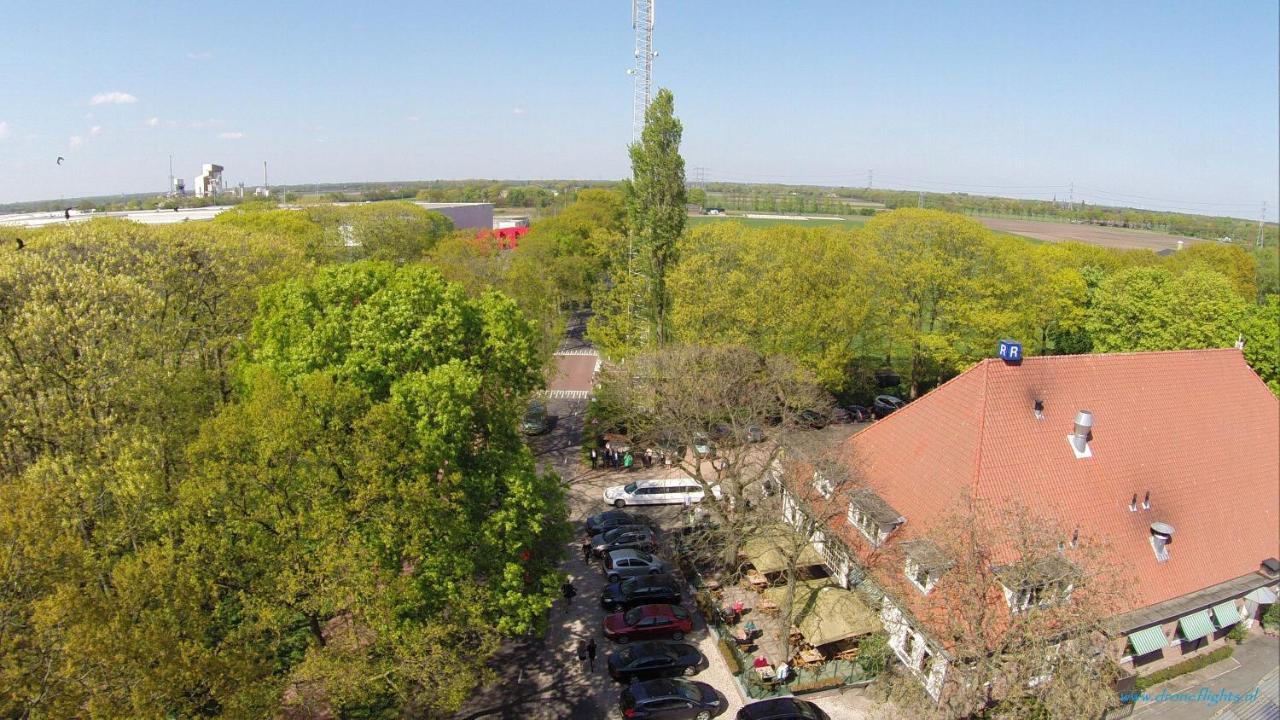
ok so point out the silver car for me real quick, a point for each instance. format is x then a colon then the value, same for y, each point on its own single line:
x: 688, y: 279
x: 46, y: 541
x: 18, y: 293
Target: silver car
x: 626, y: 563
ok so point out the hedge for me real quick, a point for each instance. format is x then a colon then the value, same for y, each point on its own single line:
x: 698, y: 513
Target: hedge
x: 730, y: 657
x: 816, y: 685
x: 1184, y: 667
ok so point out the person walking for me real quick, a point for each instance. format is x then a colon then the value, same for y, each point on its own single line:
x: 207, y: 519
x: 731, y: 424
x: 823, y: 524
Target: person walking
x: 594, y: 458
x: 568, y: 590
x: 591, y: 654
x: 648, y: 458
x: 627, y: 461
x: 582, y: 654
x: 586, y: 550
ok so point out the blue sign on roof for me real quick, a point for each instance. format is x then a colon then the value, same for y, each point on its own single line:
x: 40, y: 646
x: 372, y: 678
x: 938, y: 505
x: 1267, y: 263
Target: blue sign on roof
x: 1011, y: 351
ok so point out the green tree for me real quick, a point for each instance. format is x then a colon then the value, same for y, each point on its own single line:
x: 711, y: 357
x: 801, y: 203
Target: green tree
x: 1150, y: 309
x: 655, y: 205
x: 1261, y: 333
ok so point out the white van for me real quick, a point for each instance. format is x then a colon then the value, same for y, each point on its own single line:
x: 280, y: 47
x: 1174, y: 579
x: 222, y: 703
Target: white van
x: 675, y: 491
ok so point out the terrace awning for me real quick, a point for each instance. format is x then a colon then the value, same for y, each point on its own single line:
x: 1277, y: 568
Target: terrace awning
x: 771, y: 551
x: 1262, y: 596
x: 1196, y: 625
x: 1226, y: 613
x: 1148, y: 640
x: 825, y: 613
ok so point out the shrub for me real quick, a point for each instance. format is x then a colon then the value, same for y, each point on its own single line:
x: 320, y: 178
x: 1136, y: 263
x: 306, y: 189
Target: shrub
x: 816, y: 685
x: 730, y: 657
x: 1238, y: 632
x: 873, y: 654
x: 1183, y: 668
x: 1271, y: 618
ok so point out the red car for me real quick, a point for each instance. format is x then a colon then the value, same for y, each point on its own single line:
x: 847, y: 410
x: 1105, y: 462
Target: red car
x: 648, y: 621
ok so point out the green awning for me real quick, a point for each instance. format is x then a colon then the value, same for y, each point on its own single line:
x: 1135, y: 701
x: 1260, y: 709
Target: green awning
x: 1196, y: 625
x: 1226, y: 613
x: 771, y: 549
x: 825, y: 613
x: 1148, y: 640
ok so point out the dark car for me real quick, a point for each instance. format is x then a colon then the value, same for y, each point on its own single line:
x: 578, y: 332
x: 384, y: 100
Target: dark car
x: 650, y: 660
x: 625, y: 537
x: 611, y: 519
x: 647, y: 622
x: 783, y: 708
x: 535, y: 420
x: 670, y: 699
x: 641, y: 590
x: 859, y: 413
x: 886, y: 404
x: 813, y: 419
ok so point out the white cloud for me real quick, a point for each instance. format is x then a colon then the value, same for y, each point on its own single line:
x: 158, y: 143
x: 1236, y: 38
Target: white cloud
x: 201, y: 124
x: 95, y: 131
x: 206, y: 55
x: 153, y: 122
x: 517, y: 110
x: 231, y: 135
x: 415, y: 118
x: 4, y: 130
x: 75, y: 141
x: 112, y: 98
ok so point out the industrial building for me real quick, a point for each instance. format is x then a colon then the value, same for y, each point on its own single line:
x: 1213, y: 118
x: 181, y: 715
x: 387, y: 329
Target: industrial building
x: 209, y: 184
x: 465, y: 216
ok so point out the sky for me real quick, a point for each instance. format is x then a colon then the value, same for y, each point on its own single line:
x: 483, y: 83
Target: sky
x: 1172, y: 105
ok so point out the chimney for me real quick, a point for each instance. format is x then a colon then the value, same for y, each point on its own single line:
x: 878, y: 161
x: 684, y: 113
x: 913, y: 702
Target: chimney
x: 1133, y: 504
x: 1079, y: 437
x: 1146, y: 501
x: 1039, y: 409
x: 1161, y: 536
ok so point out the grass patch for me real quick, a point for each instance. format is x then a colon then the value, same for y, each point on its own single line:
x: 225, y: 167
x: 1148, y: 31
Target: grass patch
x: 1184, y: 667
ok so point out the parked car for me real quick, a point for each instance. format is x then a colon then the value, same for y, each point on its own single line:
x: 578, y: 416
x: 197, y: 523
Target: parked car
x: 702, y: 446
x: 629, y: 563
x: 841, y: 416
x: 535, y: 421
x: 644, y: 590
x: 782, y: 708
x: 611, y: 519
x: 860, y: 413
x: 813, y: 419
x: 669, y: 699
x: 650, y: 660
x: 886, y: 404
x: 656, y: 492
x: 646, y: 622
x: 625, y: 537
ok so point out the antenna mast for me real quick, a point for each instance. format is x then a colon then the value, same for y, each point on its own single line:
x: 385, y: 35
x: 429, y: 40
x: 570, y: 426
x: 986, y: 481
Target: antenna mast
x: 642, y: 73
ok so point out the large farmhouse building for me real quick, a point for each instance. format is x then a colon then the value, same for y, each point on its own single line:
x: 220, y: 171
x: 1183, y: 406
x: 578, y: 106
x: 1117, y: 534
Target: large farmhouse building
x: 1170, y: 460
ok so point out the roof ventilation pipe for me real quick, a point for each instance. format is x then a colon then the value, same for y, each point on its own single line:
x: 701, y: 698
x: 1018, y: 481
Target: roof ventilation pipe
x: 1161, y: 536
x: 1079, y: 437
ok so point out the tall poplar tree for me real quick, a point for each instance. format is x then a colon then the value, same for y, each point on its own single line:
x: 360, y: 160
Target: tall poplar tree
x: 635, y: 312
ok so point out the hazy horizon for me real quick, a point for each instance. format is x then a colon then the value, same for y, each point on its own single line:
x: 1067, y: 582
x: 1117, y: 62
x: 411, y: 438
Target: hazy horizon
x: 1158, y: 105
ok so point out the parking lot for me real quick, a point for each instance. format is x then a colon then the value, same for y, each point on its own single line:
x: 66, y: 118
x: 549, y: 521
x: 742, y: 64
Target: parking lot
x: 542, y: 677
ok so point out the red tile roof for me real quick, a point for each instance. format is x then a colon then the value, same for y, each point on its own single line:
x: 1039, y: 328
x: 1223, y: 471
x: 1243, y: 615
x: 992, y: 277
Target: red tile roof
x: 1197, y: 429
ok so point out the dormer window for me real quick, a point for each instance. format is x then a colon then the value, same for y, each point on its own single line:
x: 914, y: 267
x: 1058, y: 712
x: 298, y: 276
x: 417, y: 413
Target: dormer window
x: 873, y: 517
x: 823, y: 484
x: 1039, y: 583
x: 925, y: 563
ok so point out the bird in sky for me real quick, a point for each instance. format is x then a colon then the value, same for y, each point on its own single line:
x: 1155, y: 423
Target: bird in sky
x: 60, y: 159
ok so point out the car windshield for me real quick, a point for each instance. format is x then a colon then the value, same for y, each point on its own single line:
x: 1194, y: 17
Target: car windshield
x: 633, y: 616
x: 630, y: 488
x: 687, y: 690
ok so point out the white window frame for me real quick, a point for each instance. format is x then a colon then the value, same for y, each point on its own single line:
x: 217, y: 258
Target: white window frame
x: 1021, y: 600
x: 823, y: 484
x: 859, y: 519
x: 912, y: 569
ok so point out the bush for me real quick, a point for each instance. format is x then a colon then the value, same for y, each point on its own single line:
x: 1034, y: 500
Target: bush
x: 1183, y: 668
x: 1238, y: 632
x: 730, y: 657
x: 816, y: 685
x: 873, y: 654
x: 1271, y: 618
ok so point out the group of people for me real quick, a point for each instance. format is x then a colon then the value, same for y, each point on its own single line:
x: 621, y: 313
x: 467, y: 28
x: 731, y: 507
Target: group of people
x: 611, y: 457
